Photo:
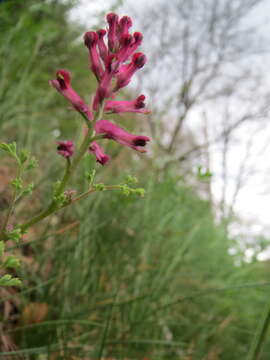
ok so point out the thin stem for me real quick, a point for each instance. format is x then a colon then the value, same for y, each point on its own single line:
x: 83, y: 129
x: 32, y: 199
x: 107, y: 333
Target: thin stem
x: 92, y: 190
x: 51, y: 208
x: 70, y: 168
x: 12, y: 201
x: 259, y: 336
x: 65, y: 178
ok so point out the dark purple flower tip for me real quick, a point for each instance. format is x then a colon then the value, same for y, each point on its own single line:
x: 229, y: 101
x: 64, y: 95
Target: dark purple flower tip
x: 139, y: 59
x: 126, y: 40
x: 125, y: 21
x: 63, y: 78
x: 141, y: 140
x: 65, y: 148
x: 101, y: 33
x: 90, y: 38
x: 138, y: 37
x: 139, y: 104
x: 112, y: 18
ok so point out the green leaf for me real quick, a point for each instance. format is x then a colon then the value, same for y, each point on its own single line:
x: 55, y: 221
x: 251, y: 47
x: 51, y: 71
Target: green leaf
x: 5, y: 147
x: 12, y: 262
x: 15, y: 235
x: 24, y: 156
x: 8, y: 280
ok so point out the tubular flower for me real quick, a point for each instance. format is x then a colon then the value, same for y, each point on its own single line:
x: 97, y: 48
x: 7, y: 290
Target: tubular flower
x: 116, y: 133
x: 104, y: 88
x: 123, y: 26
x: 103, y: 50
x: 127, y: 71
x: 65, y: 148
x: 96, y: 149
x: 62, y: 84
x: 119, y: 107
x: 91, y: 40
x: 112, y: 20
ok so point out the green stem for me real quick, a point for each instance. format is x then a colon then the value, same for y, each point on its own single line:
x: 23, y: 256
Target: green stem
x: 70, y: 169
x: 12, y: 201
x: 92, y: 190
x: 51, y: 208
x: 259, y: 336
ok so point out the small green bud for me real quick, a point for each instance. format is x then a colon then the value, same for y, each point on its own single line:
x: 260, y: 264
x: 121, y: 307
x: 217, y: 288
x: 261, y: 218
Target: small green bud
x: 131, y: 179
x: 32, y: 163
x: 17, y: 183
x: 24, y: 156
x: 99, y: 187
x: 28, y: 190
x: 139, y: 191
x: 126, y: 190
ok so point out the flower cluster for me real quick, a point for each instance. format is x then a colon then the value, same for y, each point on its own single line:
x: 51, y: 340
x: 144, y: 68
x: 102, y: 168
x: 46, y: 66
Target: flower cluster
x: 113, y: 62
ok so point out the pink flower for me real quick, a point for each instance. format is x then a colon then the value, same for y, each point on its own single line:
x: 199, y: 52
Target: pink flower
x: 62, y: 84
x: 127, y: 71
x: 96, y: 149
x: 112, y: 20
x: 136, y: 106
x: 104, y: 88
x: 116, y: 133
x: 91, y: 40
x: 65, y: 148
x: 129, y: 46
x: 124, y: 52
x: 103, y: 50
x: 123, y: 26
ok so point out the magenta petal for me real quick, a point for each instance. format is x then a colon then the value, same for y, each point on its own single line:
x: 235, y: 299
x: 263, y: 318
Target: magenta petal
x: 63, y: 86
x: 96, y: 149
x: 65, y: 148
x: 116, y: 133
x: 135, y: 106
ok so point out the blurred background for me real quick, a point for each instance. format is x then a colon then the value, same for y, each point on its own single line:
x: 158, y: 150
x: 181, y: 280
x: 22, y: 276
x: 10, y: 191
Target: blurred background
x: 183, y: 272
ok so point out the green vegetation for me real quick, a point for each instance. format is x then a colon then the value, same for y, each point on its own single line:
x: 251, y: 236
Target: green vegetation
x: 114, y: 277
